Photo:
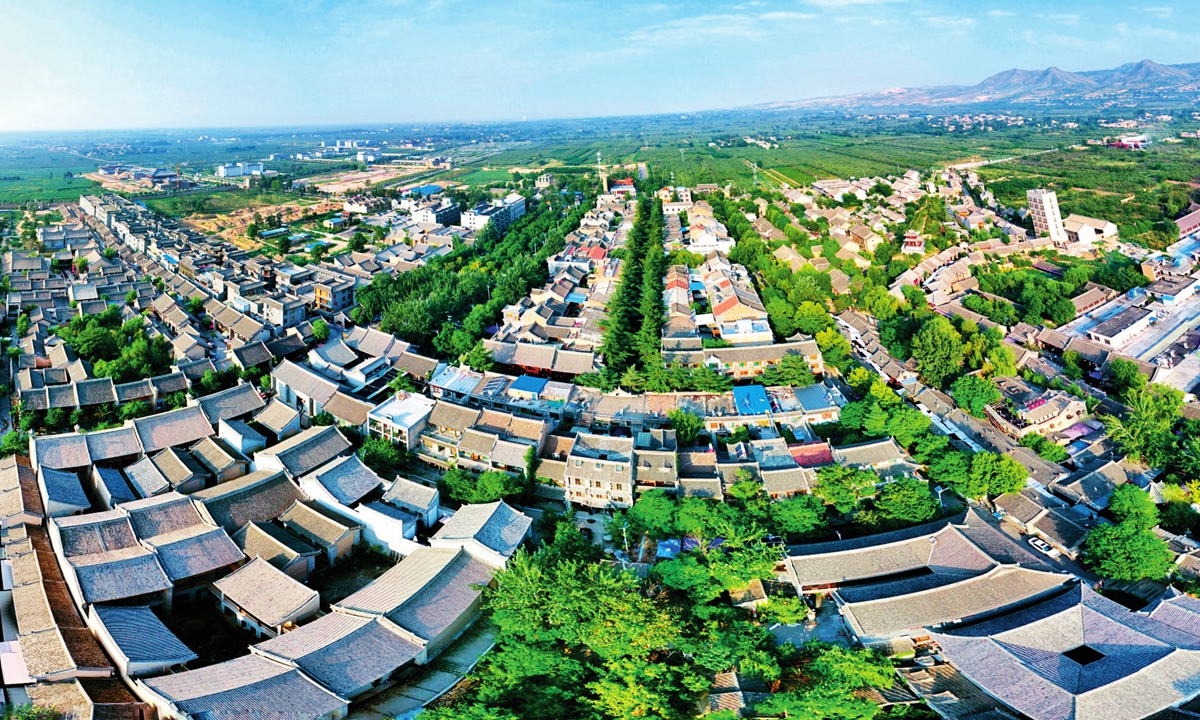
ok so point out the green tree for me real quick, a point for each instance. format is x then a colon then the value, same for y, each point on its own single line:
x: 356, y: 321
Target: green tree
x: 479, y: 358
x: 1145, y: 431
x: 14, y: 443
x: 688, y: 426
x: 81, y: 266
x: 1124, y: 377
x: 131, y: 297
x: 283, y: 244
x: 993, y: 474
x: 1130, y: 504
x: 799, y: 515
x: 464, y: 487
x: 653, y: 513
x: 135, y: 409
x: 907, y: 500
x: 811, y: 318
x: 195, y: 306
x: 973, y: 394
x: 266, y: 383
x: 1127, y: 552
x: 357, y: 242
x: 466, y: 711
x: 383, y: 456
x: 938, y: 350
x: 323, y: 419
x: 23, y: 325
x: 842, y: 486
x: 318, y: 252
x: 832, y: 676
x: 320, y: 330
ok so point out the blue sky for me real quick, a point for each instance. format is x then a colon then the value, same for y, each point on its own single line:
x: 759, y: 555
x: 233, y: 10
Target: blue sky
x: 189, y: 63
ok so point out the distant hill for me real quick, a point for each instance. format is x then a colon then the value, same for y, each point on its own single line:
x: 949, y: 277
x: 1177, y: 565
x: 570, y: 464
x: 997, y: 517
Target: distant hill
x: 1051, y: 85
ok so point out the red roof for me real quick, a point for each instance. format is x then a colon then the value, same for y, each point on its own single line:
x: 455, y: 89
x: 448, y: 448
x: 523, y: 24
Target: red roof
x: 1189, y: 224
x: 812, y: 455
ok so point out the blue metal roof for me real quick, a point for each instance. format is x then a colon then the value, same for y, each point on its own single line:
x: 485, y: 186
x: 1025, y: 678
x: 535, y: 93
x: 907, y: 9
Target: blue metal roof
x: 751, y: 400
x: 528, y: 384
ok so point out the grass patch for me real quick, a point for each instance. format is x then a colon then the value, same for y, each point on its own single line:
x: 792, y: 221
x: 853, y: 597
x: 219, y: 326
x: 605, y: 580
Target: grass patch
x: 221, y: 202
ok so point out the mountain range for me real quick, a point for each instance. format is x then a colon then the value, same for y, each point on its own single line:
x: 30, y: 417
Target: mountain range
x: 1136, y: 81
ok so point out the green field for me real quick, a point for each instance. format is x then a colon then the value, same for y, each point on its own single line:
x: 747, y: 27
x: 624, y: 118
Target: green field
x: 485, y: 177
x: 1140, y: 190
x: 847, y: 150
x: 218, y: 202
x: 28, y: 174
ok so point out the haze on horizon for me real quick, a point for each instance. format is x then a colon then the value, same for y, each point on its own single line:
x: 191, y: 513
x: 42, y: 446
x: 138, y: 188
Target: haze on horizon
x: 109, y: 64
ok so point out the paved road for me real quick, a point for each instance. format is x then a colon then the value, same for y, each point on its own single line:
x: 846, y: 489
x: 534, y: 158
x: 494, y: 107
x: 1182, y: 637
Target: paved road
x: 1061, y: 563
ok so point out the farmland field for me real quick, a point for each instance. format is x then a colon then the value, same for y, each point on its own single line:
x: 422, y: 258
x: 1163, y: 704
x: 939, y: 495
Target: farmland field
x: 1140, y: 190
x: 220, y: 202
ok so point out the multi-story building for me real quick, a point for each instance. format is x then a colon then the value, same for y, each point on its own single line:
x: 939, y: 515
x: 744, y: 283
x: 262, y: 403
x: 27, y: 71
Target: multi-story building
x: 333, y: 295
x: 283, y: 311
x: 1047, y: 219
x: 446, y: 213
x: 501, y: 213
x: 599, y: 471
x: 238, y: 170
x: 401, y: 419
x: 1028, y: 409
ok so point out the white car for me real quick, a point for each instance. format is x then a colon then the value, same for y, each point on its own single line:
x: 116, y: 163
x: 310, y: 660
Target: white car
x: 1043, y: 547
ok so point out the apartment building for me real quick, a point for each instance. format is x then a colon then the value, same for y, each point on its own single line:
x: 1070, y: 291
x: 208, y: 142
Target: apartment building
x: 599, y: 471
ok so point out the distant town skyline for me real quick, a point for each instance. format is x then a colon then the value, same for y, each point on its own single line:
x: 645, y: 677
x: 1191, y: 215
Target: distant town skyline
x: 105, y: 64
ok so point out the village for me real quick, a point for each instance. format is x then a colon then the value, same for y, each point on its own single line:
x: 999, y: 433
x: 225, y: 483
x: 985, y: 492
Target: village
x: 205, y: 435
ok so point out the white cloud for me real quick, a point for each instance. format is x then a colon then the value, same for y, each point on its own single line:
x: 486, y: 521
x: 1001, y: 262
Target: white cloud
x: 1066, y: 18
x: 1162, y: 12
x: 847, y: 3
x: 785, y: 15
x: 950, y: 22
x: 737, y: 25
x: 1001, y: 13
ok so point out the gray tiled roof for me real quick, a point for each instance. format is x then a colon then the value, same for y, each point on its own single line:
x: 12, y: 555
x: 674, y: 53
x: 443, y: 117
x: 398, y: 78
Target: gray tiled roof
x: 424, y: 593
x: 276, y: 416
x: 172, y: 428
x: 95, y: 392
x: 1020, y: 658
x: 186, y: 545
x: 255, y: 353
x: 305, y: 452
x: 141, y: 636
x: 64, y: 487
x: 248, y: 686
x: 258, y: 497
x: 170, y: 383
x: 344, y: 652
x: 241, y: 399
x: 216, y: 455
x: 266, y: 592
x: 178, y: 466
x: 106, y: 557
x: 146, y: 478
x: 114, y: 443
x: 304, y: 381
x: 1000, y: 588
x: 137, y: 390
x: 309, y: 521
x: 406, y: 494
x: 272, y: 543
x: 347, y: 479
x: 494, y: 525
x: 69, y: 450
